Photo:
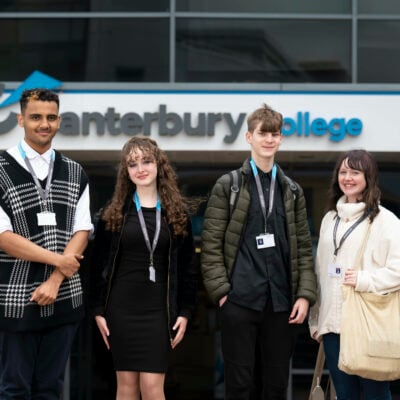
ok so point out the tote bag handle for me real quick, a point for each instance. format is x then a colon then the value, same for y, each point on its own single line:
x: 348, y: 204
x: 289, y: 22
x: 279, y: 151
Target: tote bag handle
x: 360, y: 254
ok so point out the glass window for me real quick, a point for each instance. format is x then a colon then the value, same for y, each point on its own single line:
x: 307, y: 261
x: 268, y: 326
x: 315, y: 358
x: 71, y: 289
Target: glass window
x: 276, y: 6
x: 43, y: 5
x: 55, y: 47
x: 107, y: 50
x: 127, y: 50
x: 263, y: 51
x: 378, y: 51
x: 83, y: 5
x: 130, y: 5
x: 379, y: 7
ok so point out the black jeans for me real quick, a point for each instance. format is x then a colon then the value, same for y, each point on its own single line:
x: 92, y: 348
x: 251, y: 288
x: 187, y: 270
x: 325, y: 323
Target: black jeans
x: 248, y: 335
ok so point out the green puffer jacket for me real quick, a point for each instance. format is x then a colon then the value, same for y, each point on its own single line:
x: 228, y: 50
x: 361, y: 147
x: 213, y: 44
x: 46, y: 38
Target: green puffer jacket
x: 222, y: 234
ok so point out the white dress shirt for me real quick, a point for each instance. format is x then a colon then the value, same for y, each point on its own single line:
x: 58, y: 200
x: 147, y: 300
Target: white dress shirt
x: 40, y: 164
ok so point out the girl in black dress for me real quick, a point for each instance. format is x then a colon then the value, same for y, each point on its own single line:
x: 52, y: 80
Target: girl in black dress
x: 149, y: 289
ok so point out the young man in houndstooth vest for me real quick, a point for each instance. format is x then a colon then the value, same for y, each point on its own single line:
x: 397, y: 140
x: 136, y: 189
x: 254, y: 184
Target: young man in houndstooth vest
x: 44, y: 227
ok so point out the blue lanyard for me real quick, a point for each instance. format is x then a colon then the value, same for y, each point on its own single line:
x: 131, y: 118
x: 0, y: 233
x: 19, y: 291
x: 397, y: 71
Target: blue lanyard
x: 44, y: 194
x: 150, y: 247
x: 261, y: 193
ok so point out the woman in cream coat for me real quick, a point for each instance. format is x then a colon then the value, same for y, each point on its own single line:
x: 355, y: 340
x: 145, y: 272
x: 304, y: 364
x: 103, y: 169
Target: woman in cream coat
x: 353, y: 203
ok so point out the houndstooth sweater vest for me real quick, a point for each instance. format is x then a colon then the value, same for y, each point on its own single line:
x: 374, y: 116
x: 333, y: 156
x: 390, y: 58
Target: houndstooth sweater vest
x: 20, y: 199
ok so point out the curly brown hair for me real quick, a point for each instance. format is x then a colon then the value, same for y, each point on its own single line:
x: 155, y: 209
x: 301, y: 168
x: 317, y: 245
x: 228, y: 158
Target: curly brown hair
x: 173, y: 202
x: 360, y: 160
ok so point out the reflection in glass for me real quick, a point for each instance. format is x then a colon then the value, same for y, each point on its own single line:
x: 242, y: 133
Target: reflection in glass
x: 83, y: 5
x: 55, y: 47
x: 108, y: 50
x: 263, y: 51
x: 378, y: 7
x: 379, y: 52
x: 272, y: 6
x: 44, y: 5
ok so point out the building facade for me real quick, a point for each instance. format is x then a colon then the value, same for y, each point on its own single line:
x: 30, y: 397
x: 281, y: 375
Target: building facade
x: 187, y: 73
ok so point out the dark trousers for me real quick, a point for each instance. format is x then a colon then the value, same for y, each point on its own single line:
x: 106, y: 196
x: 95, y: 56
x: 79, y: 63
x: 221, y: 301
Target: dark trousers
x: 350, y: 387
x: 246, y: 335
x: 32, y: 363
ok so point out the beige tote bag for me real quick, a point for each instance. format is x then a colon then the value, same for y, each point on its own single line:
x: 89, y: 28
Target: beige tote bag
x: 370, y: 332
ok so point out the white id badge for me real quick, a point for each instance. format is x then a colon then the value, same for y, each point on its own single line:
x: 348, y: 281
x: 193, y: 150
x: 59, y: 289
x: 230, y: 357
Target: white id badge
x: 152, y: 274
x: 334, y: 270
x: 46, y: 218
x: 265, y: 240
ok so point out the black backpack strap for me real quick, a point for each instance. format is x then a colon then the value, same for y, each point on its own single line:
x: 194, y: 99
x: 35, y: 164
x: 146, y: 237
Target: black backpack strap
x: 235, y: 178
x: 292, y: 185
x: 236, y: 183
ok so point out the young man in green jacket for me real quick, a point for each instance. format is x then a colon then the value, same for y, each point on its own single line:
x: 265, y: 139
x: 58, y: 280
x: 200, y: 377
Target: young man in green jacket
x: 257, y: 265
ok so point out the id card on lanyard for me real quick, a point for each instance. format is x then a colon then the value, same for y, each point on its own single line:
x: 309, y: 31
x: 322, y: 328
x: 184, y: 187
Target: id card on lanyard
x: 150, y: 247
x: 334, y: 269
x: 45, y: 217
x: 265, y: 239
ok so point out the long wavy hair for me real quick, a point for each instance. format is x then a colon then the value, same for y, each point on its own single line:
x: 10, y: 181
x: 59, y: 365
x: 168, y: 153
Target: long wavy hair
x: 173, y: 202
x: 360, y: 160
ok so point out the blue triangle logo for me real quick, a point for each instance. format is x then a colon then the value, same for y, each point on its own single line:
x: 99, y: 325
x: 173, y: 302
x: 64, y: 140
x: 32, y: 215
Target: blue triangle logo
x: 36, y: 80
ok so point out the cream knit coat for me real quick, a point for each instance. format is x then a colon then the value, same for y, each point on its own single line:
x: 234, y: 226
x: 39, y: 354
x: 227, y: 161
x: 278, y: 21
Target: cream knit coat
x: 380, y: 263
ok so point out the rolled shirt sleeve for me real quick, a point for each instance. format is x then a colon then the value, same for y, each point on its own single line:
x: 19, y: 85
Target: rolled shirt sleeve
x: 82, y: 220
x: 5, y: 222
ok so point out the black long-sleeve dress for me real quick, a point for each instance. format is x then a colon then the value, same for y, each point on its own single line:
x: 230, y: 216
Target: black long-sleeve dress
x: 137, y: 310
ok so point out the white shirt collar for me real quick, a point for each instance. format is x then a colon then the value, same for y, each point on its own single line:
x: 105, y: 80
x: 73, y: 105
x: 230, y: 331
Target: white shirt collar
x: 32, y: 154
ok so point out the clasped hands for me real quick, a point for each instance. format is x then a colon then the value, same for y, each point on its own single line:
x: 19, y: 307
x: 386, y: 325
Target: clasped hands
x: 66, y: 265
